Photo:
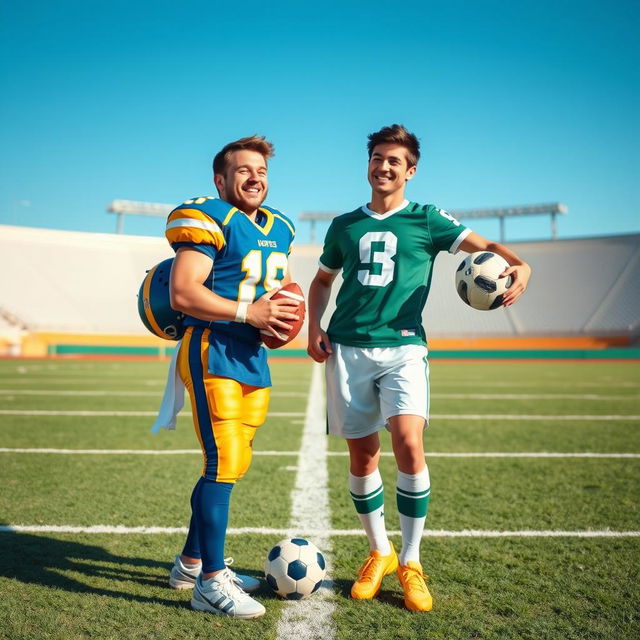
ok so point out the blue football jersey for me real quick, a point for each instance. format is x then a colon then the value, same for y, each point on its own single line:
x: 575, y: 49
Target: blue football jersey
x: 249, y: 259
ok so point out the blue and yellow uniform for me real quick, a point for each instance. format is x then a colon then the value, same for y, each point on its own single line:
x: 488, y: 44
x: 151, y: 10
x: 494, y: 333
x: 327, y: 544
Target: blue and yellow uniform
x: 223, y: 364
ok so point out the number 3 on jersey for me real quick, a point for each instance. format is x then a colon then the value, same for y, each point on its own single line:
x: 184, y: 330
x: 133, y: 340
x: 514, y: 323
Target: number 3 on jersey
x: 376, y: 250
x: 276, y: 265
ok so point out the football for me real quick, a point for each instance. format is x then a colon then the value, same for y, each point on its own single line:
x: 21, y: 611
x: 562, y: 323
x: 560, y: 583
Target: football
x: 154, y: 307
x: 294, y: 568
x: 477, y: 281
x: 291, y: 290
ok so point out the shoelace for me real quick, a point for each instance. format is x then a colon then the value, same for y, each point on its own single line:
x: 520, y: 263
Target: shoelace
x: 362, y: 571
x: 225, y: 583
x: 416, y: 579
x: 228, y: 562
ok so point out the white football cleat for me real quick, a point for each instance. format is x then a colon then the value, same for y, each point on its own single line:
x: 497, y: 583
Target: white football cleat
x: 182, y: 577
x: 221, y: 594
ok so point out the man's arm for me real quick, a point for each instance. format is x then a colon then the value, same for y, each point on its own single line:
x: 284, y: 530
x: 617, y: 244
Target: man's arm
x: 319, y: 347
x: 519, y: 270
x: 191, y: 268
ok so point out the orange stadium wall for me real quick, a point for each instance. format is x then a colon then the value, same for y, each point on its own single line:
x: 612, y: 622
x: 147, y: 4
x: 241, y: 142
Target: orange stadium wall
x: 45, y: 344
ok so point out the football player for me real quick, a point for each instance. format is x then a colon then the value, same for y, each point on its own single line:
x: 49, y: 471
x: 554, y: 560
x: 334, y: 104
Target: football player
x: 231, y: 257
x: 375, y: 348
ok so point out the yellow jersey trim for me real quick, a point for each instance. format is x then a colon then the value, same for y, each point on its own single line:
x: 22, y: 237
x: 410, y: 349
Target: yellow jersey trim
x: 229, y: 215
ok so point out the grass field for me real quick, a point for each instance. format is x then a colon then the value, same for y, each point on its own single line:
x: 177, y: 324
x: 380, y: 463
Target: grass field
x: 519, y: 544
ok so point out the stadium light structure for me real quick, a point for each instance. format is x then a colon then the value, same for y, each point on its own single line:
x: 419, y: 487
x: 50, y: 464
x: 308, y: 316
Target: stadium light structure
x: 551, y: 209
x: 316, y: 216
x: 160, y: 209
x: 134, y: 208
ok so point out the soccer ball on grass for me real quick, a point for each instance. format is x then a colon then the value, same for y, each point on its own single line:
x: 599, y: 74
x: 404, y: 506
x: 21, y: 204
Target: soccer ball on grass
x: 294, y: 568
x: 477, y: 281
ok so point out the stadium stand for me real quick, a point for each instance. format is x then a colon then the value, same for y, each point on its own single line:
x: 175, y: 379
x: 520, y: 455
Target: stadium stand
x: 580, y: 287
x: 64, y: 288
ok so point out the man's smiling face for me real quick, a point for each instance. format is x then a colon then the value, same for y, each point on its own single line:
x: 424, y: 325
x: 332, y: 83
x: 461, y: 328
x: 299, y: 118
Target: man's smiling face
x: 389, y: 168
x: 244, y: 183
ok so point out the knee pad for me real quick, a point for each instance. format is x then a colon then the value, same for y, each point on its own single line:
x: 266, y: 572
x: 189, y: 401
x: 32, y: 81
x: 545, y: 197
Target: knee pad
x: 248, y: 433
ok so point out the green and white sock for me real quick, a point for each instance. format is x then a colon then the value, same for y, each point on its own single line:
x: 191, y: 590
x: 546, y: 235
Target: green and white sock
x: 367, y: 494
x: 412, y: 494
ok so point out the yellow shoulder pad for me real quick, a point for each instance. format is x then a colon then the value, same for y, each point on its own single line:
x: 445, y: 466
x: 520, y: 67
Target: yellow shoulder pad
x: 195, y: 227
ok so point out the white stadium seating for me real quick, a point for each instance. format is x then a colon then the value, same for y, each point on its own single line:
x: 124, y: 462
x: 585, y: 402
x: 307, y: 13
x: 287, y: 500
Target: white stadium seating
x: 88, y: 282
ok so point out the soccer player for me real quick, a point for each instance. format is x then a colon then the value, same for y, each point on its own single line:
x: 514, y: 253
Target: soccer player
x: 375, y: 348
x: 231, y: 257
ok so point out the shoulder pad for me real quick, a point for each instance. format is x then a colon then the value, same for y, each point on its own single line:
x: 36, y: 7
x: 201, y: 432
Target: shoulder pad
x: 199, y: 221
x: 213, y: 207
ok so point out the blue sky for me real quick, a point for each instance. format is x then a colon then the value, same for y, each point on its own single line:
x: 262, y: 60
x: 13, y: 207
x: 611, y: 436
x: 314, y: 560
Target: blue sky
x: 514, y: 103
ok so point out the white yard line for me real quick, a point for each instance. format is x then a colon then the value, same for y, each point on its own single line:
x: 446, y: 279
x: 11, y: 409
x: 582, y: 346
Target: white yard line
x: 311, y: 619
x: 431, y: 454
x: 79, y: 393
x: 79, y: 379
x: 316, y: 535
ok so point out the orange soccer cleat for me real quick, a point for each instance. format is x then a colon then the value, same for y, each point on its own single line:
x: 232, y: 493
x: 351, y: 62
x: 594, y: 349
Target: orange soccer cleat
x: 370, y: 574
x: 416, y: 594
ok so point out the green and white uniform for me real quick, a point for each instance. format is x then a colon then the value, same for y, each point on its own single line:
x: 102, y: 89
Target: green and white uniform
x: 376, y: 330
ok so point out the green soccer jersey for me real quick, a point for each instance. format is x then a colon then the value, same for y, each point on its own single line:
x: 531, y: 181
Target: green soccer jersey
x: 387, y: 262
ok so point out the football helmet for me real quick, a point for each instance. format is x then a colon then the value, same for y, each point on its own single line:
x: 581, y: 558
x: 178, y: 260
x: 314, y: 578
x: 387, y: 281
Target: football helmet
x: 154, y: 306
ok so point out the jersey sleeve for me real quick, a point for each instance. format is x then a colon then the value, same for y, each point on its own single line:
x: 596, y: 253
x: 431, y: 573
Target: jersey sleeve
x: 331, y: 259
x: 195, y: 229
x: 446, y: 232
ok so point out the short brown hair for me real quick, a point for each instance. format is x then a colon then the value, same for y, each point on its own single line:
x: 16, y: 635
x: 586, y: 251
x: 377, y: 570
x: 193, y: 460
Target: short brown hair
x: 253, y: 143
x: 396, y: 134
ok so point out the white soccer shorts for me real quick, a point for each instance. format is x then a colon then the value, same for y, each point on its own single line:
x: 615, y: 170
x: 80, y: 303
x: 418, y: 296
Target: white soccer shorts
x: 366, y: 387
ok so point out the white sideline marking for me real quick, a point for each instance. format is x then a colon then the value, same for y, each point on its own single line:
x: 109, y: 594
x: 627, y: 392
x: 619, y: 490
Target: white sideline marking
x: 316, y: 534
x: 432, y: 454
x: 311, y: 619
x: 101, y: 414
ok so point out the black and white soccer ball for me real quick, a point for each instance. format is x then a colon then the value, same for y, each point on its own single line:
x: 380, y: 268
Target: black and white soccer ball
x: 477, y: 281
x: 294, y: 568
